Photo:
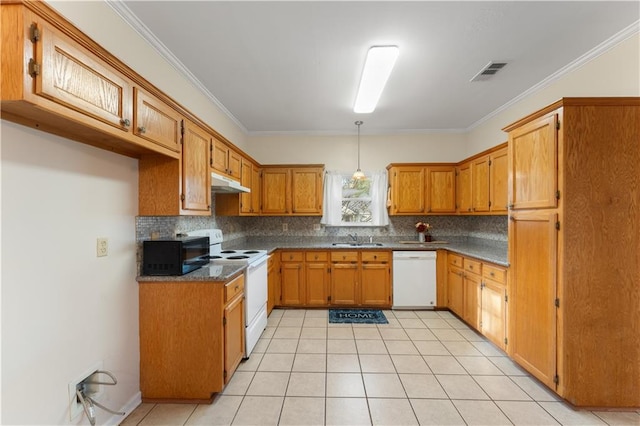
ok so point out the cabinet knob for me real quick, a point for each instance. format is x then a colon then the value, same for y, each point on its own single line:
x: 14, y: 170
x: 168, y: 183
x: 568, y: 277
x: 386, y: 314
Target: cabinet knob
x: 316, y: 257
x: 375, y: 257
x: 470, y: 266
x: 492, y: 274
x: 125, y: 122
x: 142, y: 129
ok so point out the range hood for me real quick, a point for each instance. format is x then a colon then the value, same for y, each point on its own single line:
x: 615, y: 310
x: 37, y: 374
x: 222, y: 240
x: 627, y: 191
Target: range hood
x: 220, y: 183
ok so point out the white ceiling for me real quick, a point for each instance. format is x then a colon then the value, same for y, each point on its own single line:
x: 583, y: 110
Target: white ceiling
x: 294, y: 66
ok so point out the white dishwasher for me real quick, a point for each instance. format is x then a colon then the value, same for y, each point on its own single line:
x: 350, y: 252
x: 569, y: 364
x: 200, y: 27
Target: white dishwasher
x: 414, y: 279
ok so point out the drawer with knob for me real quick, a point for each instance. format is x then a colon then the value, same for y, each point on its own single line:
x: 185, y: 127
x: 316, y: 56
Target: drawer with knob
x: 292, y: 256
x: 472, y: 266
x: 316, y: 256
x: 375, y: 257
x: 494, y: 273
x: 455, y: 260
x: 233, y: 288
x: 344, y: 256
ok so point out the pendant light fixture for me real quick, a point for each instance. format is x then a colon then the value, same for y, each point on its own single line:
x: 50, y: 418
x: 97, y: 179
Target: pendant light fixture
x: 357, y: 175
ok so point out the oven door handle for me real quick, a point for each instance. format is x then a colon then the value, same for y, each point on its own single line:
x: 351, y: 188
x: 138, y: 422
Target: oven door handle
x: 257, y: 263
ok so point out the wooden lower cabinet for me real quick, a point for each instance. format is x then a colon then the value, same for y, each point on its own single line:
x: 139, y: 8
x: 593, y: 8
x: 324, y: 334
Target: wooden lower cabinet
x: 191, y: 333
x: 494, y: 312
x: 455, y: 286
x: 335, y: 278
x: 344, y: 278
x: 533, y: 247
x: 233, y: 324
x: 273, y: 282
x: 472, y: 299
x: 375, y: 288
x: 292, y: 276
x: 317, y: 278
x: 477, y: 292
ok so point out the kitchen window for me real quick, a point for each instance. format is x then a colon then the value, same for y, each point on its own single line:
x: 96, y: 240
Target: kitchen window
x: 351, y: 202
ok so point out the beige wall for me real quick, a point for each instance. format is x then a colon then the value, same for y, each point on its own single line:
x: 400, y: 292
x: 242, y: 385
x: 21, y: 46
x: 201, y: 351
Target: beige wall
x: 340, y: 152
x: 63, y: 308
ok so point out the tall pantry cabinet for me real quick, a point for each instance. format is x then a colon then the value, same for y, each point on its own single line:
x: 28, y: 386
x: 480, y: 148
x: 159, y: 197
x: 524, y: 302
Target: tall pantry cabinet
x: 574, y: 249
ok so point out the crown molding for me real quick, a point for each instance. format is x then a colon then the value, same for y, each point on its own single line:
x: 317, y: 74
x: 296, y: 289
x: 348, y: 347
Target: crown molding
x: 603, y: 47
x: 139, y: 27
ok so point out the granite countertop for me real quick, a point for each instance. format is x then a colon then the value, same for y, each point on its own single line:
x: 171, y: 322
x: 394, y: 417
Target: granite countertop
x: 487, y: 250
x: 210, y: 272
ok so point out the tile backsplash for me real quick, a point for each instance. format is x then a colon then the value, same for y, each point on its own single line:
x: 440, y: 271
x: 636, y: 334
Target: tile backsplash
x: 486, y: 227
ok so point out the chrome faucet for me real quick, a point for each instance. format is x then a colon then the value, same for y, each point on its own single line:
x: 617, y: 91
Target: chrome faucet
x: 354, y: 237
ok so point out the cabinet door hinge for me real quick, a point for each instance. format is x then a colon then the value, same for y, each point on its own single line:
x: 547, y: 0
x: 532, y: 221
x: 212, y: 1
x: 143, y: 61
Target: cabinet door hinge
x: 182, y: 197
x: 34, y: 33
x: 182, y: 128
x: 489, y: 203
x: 506, y: 341
x: 34, y: 68
x: 556, y: 379
x: 558, y: 195
x: 224, y: 374
x: 557, y: 302
x: 224, y: 320
x: 489, y: 162
x: 558, y: 125
x: 211, y: 153
x: 558, y: 225
x: 506, y: 298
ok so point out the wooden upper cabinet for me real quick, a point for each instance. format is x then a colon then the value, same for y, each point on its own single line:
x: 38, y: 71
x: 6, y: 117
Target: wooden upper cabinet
x: 72, y: 76
x: 57, y: 80
x: 155, y: 121
x: 225, y: 159
x: 256, y: 189
x: 196, y: 179
x: 235, y: 164
x: 220, y: 156
x: 441, y: 189
x: 463, y: 192
x: 292, y: 190
x: 407, y: 190
x: 498, y: 181
x: 306, y: 190
x: 533, y: 163
x: 480, y: 184
x: 275, y: 194
x: 246, y: 177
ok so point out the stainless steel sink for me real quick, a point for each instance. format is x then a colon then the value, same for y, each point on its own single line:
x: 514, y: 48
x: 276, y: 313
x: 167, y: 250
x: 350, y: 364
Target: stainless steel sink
x: 357, y: 244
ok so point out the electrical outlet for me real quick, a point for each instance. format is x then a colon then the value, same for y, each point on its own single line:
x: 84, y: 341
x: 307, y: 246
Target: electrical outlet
x: 316, y: 226
x: 285, y: 227
x: 102, y: 247
x: 75, y: 406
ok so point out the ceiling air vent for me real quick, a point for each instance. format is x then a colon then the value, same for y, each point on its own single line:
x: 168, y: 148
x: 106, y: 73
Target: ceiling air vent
x: 488, y: 71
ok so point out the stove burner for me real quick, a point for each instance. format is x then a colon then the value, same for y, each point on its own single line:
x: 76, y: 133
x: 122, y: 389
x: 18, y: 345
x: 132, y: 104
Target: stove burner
x: 251, y: 252
x: 237, y: 257
x: 228, y: 251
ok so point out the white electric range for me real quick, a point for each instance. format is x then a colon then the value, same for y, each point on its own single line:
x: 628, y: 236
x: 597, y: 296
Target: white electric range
x: 255, y: 285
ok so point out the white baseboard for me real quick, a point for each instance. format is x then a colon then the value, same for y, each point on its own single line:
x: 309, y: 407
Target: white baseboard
x: 131, y: 405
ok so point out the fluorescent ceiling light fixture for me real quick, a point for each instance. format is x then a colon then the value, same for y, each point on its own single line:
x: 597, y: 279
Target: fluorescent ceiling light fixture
x: 377, y: 68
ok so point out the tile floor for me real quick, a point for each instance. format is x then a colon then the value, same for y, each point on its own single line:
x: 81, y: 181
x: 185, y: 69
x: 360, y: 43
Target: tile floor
x: 424, y: 367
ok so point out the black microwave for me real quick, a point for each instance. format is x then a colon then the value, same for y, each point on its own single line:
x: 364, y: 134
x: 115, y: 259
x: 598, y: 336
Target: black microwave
x: 176, y: 256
